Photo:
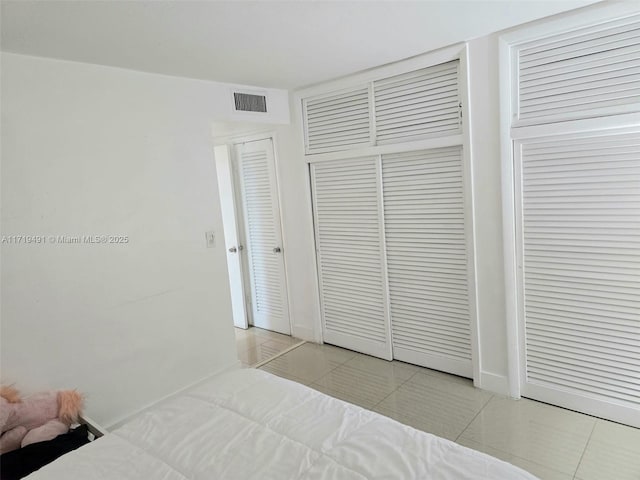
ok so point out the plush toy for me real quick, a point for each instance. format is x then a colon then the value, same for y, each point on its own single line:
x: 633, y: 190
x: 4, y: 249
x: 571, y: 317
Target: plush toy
x: 36, y: 418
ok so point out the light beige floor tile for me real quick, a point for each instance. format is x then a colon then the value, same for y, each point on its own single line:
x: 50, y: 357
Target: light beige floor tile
x: 249, y: 343
x: 540, y: 471
x: 451, y: 384
x: 359, y: 386
x: 309, y: 362
x: 435, y: 405
x: 613, y: 452
x: 267, y: 368
x: 398, y: 371
x: 540, y: 433
x: 262, y: 352
x: 269, y: 335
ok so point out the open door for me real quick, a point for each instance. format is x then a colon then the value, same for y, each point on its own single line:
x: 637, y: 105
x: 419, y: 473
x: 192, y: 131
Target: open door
x: 262, y: 235
x: 232, y: 246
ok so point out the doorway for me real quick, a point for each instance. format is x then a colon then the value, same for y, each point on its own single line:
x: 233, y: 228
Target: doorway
x: 253, y: 236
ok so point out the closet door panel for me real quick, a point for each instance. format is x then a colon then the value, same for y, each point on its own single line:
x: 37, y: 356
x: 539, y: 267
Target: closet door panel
x: 424, y: 218
x: 349, y: 243
x: 580, y: 258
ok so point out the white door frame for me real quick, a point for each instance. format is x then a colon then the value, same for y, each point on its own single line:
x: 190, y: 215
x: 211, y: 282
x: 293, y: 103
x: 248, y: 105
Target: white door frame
x: 238, y: 140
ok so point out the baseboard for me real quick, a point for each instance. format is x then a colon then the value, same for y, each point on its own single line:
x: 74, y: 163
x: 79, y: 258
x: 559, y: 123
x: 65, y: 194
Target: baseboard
x: 493, y: 382
x: 118, y: 423
x: 304, y: 333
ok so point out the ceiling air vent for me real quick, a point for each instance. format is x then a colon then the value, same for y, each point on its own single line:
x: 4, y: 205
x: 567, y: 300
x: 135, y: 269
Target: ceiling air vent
x: 249, y: 102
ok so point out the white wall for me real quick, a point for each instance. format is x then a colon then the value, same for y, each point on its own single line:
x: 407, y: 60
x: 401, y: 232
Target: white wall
x: 91, y: 150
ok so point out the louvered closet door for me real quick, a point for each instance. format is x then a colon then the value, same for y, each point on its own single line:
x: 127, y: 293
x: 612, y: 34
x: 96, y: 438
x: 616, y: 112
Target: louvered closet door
x: 424, y: 218
x: 580, y: 236
x: 349, y: 241
x: 263, y: 236
x: 595, y: 68
x: 420, y: 104
x: 337, y: 122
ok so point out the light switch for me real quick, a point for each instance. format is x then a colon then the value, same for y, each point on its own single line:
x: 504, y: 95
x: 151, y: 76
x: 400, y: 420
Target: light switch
x: 211, y: 238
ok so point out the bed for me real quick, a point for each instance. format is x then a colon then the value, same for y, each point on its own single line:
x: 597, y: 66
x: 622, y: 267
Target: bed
x: 249, y: 424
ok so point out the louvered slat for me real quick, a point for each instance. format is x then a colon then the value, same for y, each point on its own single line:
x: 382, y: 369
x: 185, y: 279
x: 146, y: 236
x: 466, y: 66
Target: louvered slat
x: 591, y: 69
x: 426, y: 258
x: 337, y: 122
x: 349, y: 243
x: 418, y: 104
x: 581, y: 252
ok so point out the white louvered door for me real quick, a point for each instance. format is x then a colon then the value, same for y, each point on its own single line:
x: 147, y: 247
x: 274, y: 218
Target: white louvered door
x: 579, y: 227
x: 337, y: 122
x: 590, y: 71
x: 417, y: 105
x: 263, y: 236
x: 349, y: 242
x: 424, y: 219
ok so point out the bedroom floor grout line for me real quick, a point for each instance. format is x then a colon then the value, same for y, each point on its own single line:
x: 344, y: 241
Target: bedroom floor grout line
x: 334, y: 368
x: 396, y: 389
x: 474, y: 417
x: 279, y: 354
x: 586, y: 445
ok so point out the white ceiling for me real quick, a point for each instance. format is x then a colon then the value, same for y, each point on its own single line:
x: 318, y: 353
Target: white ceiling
x: 282, y: 44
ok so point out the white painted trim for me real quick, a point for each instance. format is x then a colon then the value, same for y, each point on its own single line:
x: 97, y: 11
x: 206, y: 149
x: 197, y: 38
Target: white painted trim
x: 470, y: 216
x: 232, y: 139
x: 383, y: 260
x: 508, y: 219
x: 495, y: 383
x: 276, y: 161
x: 126, y: 418
x: 425, y: 144
x: 312, y: 186
x: 600, y: 126
x: 593, y: 15
x: 519, y: 258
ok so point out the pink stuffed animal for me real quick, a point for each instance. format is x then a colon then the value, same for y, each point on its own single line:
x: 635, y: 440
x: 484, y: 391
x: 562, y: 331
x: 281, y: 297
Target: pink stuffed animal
x: 37, y: 418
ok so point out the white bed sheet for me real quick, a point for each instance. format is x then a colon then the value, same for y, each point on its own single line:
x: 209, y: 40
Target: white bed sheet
x: 249, y: 424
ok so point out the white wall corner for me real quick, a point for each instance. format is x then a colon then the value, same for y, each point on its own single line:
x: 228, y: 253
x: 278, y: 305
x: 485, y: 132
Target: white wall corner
x: 127, y: 418
x: 305, y: 332
x: 492, y: 382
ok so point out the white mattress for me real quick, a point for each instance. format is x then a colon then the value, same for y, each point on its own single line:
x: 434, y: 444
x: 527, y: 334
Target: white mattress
x: 249, y: 424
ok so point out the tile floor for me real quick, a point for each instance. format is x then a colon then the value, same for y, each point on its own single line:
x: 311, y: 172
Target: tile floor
x: 550, y: 442
x: 255, y: 345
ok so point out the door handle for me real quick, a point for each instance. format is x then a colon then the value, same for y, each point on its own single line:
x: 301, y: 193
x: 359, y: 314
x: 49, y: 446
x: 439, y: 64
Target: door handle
x: 233, y: 250
x: 277, y: 250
